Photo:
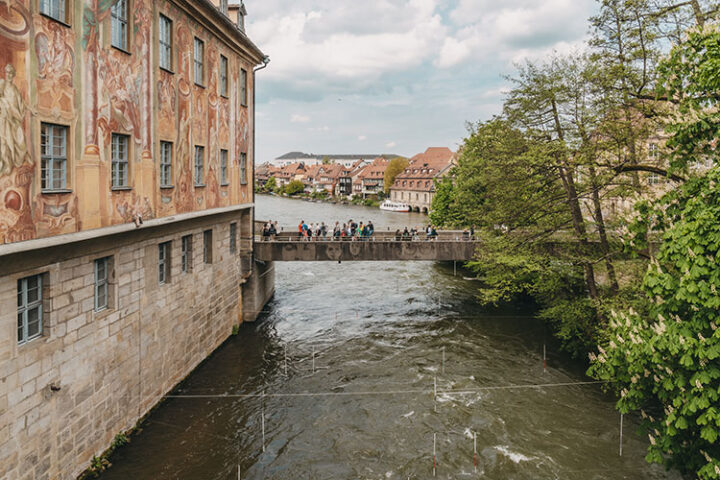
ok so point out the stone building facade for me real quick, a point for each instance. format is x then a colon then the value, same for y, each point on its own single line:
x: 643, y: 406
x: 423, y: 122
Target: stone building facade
x: 126, y: 214
x: 415, y: 185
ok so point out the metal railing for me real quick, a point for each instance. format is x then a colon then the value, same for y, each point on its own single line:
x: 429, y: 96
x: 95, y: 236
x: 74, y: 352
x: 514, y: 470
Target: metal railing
x: 285, y: 237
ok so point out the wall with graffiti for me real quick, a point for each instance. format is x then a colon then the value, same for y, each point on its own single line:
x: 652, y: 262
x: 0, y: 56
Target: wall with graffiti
x: 67, y: 73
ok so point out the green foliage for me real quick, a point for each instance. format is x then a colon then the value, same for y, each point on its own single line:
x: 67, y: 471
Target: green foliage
x: 271, y: 185
x: 294, y: 187
x: 691, y: 75
x: 667, y: 362
x: 443, y: 211
x: 326, y: 160
x: 394, y: 168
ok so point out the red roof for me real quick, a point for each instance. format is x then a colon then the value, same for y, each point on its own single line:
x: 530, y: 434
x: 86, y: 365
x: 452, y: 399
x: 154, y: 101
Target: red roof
x: 424, y: 168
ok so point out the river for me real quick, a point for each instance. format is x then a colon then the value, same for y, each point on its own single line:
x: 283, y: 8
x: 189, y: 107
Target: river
x: 366, y: 407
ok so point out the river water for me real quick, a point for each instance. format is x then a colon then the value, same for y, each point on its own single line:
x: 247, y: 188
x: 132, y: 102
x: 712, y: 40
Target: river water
x: 366, y: 408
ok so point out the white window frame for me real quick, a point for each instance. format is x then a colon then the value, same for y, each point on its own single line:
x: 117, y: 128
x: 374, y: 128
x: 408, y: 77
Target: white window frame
x: 120, y: 34
x: 102, y: 289
x: 166, y: 42
x: 166, y: 161
x: 26, y: 307
x: 243, y: 87
x: 55, y: 9
x: 199, y: 61
x: 243, y: 168
x: 120, y: 162
x: 224, y: 155
x: 186, y: 254
x: 53, y: 157
x: 164, y: 258
x: 199, y: 166
x: 223, y: 76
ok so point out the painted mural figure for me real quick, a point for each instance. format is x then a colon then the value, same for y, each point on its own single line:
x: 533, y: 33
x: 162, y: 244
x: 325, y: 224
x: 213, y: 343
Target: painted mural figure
x: 13, y: 148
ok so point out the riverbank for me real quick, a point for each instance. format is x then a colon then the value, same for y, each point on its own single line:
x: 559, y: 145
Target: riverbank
x: 308, y: 197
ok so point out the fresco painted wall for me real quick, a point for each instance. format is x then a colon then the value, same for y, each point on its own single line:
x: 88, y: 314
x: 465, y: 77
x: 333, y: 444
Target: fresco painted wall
x: 70, y: 75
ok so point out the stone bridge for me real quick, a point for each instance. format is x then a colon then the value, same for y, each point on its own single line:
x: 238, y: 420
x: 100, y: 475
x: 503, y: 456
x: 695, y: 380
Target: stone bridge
x: 379, y: 247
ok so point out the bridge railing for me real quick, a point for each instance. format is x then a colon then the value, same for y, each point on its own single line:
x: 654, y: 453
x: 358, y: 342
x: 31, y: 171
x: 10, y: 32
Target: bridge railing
x: 376, y: 237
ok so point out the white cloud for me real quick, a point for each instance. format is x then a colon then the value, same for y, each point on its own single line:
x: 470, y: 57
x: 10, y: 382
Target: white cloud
x: 362, y: 138
x: 390, y: 145
x: 297, y: 118
x: 513, y: 29
x: 324, y: 128
x: 313, y: 46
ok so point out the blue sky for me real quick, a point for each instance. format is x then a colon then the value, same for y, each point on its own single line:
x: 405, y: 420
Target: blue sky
x: 394, y: 76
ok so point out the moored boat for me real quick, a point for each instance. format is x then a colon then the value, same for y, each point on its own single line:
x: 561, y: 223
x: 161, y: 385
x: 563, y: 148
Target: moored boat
x: 394, y: 206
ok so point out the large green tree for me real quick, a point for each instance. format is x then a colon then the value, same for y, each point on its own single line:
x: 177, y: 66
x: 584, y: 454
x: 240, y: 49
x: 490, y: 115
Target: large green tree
x: 666, y: 363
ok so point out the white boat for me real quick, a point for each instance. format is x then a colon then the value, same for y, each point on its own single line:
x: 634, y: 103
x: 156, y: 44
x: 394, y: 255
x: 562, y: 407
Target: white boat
x: 394, y: 206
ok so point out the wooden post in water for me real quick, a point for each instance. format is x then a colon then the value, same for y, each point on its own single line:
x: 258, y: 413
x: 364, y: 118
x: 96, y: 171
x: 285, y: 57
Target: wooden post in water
x: 286, y: 366
x: 434, y: 453
x: 475, y: 450
x: 262, y: 419
x: 443, y: 360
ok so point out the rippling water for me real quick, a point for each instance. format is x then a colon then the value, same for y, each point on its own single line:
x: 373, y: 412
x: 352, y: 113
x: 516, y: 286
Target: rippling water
x: 368, y: 409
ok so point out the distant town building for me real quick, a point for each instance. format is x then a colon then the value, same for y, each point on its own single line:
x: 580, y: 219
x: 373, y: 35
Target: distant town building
x: 371, y: 178
x: 416, y: 184
x: 309, y: 159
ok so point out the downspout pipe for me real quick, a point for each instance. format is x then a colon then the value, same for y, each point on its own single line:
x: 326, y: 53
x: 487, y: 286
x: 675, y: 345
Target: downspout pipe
x: 266, y: 61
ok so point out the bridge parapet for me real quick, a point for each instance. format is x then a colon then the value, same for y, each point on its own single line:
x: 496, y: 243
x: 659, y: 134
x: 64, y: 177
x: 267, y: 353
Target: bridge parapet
x: 293, y: 249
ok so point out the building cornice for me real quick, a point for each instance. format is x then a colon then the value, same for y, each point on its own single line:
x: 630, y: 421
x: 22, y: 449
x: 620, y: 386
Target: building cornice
x: 205, y: 13
x: 57, y: 240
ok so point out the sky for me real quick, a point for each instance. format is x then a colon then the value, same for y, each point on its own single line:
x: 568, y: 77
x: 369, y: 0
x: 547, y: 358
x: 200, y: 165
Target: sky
x: 395, y: 76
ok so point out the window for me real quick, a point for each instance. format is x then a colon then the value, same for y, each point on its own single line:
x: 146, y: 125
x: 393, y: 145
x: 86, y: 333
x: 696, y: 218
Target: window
x: 119, y: 28
x: 164, y: 263
x: 233, y: 237
x: 243, y: 87
x: 30, y: 308
x: 199, y: 60
x: 166, y: 164
x: 653, y: 179
x: 165, y: 42
x: 243, y: 168
x: 56, y: 9
x: 53, y: 152
x: 223, y: 167
x: 223, y: 76
x: 186, y: 254
x: 199, y: 165
x: 224, y: 6
x: 102, y: 267
x: 653, y: 151
x: 120, y: 163
x: 207, y: 246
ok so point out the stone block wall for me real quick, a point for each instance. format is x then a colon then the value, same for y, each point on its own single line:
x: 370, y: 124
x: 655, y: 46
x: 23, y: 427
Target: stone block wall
x: 111, y: 366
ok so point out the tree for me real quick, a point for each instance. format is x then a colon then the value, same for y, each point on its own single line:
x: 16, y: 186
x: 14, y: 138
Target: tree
x: 394, y: 168
x: 665, y: 364
x: 271, y: 184
x: 294, y: 187
x: 444, y: 211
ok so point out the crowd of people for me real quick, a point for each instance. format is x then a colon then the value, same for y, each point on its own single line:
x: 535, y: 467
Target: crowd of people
x: 352, y: 230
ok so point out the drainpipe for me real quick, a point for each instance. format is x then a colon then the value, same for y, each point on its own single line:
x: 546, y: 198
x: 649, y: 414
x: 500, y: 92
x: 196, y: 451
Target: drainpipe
x: 265, y: 61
